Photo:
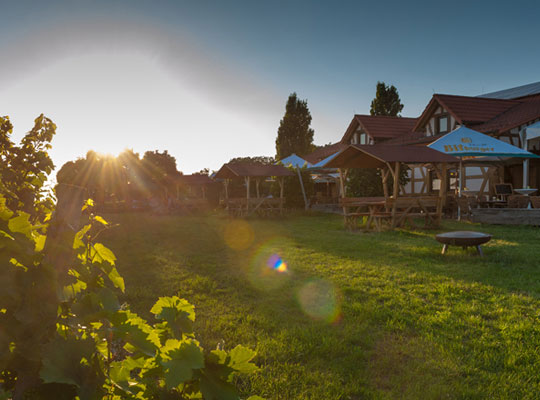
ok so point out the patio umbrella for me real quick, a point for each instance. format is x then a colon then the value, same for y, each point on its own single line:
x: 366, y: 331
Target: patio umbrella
x: 465, y: 142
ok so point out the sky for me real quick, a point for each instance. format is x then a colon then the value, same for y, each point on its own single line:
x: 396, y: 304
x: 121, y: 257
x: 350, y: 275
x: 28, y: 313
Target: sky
x: 208, y: 80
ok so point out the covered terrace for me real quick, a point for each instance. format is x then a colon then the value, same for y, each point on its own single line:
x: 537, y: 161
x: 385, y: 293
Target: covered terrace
x: 389, y: 160
x: 253, y: 172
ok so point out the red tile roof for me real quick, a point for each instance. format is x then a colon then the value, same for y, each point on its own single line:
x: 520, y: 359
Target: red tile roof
x: 377, y: 155
x: 324, y: 151
x: 379, y: 126
x: 466, y: 110
x: 229, y: 171
x: 528, y: 110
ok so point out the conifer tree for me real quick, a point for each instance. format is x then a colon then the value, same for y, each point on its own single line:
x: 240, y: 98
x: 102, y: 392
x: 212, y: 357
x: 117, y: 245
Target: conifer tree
x: 386, y: 101
x: 294, y: 134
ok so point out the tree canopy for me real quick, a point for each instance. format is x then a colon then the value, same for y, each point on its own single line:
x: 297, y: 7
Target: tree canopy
x: 386, y: 101
x: 294, y: 132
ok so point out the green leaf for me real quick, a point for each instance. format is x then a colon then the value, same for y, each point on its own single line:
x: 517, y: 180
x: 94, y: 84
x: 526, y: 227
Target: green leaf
x: 88, y: 203
x: 100, y: 219
x: 108, y: 299
x: 178, y: 313
x: 240, y: 358
x: 5, y: 213
x: 136, y: 332
x: 62, y: 361
x: 40, y: 242
x: 102, y: 253
x: 180, y: 358
x: 213, y: 388
x: 21, y: 224
x: 78, y: 239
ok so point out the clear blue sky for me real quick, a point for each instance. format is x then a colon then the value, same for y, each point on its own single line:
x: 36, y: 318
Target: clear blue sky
x: 208, y: 80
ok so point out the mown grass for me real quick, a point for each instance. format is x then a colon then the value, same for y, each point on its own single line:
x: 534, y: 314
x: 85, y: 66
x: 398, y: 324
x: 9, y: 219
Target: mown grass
x: 356, y: 315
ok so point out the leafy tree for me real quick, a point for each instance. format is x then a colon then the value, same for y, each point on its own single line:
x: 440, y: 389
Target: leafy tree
x: 265, y: 160
x: 24, y: 190
x: 386, y: 101
x: 294, y: 134
x: 160, y: 164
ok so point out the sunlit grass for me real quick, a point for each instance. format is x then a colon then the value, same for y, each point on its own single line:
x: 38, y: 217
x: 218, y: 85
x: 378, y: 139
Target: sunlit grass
x: 351, y: 315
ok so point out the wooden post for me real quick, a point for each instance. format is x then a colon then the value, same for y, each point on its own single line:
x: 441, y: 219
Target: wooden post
x: 384, y: 174
x: 257, y: 187
x: 248, y: 179
x: 396, y: 192
x: 226, y: 184
x: 342, y: 188
x: 281, y: 184
x: 442, y: 191
x: 306, y: 205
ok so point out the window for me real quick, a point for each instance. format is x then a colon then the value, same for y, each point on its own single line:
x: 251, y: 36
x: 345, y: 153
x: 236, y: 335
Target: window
x: 363, y: 138
x: 442, y: 124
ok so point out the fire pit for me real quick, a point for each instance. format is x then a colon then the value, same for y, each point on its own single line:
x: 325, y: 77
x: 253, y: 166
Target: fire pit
x: 464, y: 239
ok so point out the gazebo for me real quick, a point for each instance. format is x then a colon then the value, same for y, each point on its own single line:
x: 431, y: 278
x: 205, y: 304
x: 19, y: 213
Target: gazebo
x: 195, y: 184
x: 252, y: 172
x: 388, y: 158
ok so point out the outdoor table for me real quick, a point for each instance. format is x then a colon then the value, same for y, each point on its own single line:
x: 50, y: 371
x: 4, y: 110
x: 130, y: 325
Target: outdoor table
x: 374, y: 208
x: 464, y: 239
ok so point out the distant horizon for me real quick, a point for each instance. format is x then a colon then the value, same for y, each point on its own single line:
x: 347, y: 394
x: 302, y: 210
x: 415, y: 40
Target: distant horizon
x: 209, y: 81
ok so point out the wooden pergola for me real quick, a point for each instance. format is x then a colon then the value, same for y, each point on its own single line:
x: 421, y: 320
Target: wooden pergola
x: 388, y: 158
x: 194, y: 183
x: 253, y: 172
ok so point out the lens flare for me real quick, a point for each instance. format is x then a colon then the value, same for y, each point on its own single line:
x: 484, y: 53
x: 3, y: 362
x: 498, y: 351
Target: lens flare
x: 320, y: 300
x: 276, y: 262
x: 238, y: 235
x: 267, y: 268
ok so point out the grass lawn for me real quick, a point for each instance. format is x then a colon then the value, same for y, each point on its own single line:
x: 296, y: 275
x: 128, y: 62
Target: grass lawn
x: 355, y: 315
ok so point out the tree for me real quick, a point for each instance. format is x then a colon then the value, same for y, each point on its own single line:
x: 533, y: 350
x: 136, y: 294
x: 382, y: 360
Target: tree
x: 368, y: 182
x: 294, y: 134
x: 386, y: 101
x: 265, y: 160
x: 24, y: 168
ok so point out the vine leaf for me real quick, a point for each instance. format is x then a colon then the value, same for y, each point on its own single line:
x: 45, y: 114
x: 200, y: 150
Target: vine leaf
x: 62, y: 361
x: 240, y: 358
x: 178, y: 313
x: 180, y: 358
x: 102, y: 253
x: 100, y: 220
x: 21, y: 224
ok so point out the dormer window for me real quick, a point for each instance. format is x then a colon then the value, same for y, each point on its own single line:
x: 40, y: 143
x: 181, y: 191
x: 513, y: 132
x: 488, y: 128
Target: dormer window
x: 442, y: 124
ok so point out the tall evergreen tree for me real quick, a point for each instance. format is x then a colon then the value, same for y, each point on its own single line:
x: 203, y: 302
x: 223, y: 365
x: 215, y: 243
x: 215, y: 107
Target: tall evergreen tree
x: 386, y: 101
x: 294, y: 134
x: 367, y: 182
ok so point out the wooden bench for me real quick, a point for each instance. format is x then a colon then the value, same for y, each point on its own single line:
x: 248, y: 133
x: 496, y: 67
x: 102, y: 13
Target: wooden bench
x: 262, y: 206
x: 407, y: 208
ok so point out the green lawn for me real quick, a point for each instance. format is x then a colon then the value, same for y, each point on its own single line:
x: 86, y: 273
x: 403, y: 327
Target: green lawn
x: 355, y: 315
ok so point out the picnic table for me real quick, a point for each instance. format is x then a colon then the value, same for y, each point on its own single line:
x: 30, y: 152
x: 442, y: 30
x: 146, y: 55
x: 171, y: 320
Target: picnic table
x: 261, y: 206
x: 362, y: 207
x: 377, y: 210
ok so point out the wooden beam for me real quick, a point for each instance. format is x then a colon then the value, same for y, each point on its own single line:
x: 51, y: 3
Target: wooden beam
x: 281, y: 184
x: 395, y: 193
x: 248, y: 179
